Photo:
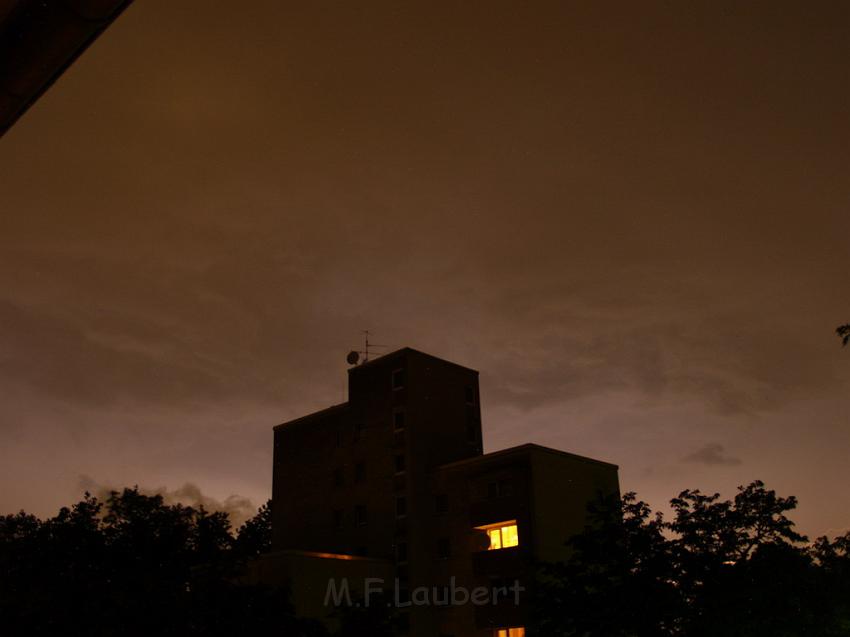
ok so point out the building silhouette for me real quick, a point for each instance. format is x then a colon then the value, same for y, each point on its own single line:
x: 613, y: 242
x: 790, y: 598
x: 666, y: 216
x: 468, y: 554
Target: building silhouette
x: 393, y: 485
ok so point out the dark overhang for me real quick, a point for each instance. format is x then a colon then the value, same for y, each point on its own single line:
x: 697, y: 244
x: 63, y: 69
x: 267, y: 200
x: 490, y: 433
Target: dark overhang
x: 39, y: 39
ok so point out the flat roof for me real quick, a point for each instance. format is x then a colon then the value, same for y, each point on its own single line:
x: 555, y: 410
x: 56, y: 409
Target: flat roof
x: 310, y: 416
x: 526, y: 448
x: 406, y: 351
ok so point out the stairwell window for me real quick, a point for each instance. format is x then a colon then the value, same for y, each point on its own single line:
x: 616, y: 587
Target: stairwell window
x: 502, y: 535
x: 400, y: 464
x: 360, y: 515
x: 398, y: 420
x: 398, y: 379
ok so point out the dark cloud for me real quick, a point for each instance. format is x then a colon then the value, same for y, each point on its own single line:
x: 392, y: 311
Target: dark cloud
x: 626, y: 217
x: 713, y: 454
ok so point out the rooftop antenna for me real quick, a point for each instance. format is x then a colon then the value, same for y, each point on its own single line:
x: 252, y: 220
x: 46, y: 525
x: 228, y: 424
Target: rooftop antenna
x: 353, y: 357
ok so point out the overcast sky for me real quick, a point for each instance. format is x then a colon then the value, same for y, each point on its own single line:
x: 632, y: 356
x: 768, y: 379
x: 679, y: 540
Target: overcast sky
x: 632, y: 218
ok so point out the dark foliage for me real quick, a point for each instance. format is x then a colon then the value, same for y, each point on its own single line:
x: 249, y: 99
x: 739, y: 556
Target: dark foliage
x: 374, y: 619
x: 843, y: 332
x: 720, y: 567
x: 134, y: 566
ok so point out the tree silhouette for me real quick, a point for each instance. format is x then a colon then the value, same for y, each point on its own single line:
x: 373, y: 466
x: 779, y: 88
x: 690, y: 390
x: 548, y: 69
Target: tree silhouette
x: 133, y: 565
x: 843, y: 332
x: 719, y: 567
x: 619, y: 580
x: 255, y: 536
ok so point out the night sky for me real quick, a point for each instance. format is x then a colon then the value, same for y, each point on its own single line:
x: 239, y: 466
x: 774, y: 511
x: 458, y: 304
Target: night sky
x: 632, y: 218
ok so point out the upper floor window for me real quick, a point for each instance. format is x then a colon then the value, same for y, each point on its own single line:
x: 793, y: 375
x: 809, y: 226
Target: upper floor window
x: 337, y: 519
x: 401, y: 552
x: 441, y: 503
x: 358, y: 431
x: 398, y: 420
x: 444, y: 548
x: 398, y: 379
x: 500, y: 489
x: 338, y: 479
x: 502, y: 535
x: 359, y: 472
x: 510, y: 632
x: 360, y: 515
x: 400, y: 464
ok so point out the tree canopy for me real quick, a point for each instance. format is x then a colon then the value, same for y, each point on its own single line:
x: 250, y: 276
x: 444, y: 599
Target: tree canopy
x: 132, y: 565
x: 718, y: 567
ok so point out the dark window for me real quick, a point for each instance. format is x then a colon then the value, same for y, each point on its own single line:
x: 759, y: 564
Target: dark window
x: 360, y: 515
x: 504, y: 488
x: 398, y: 379
x: 401, y: 552
x: 338, y: 480
x: 359, y: 472
x: 500, y: 489
x: 470, y: 395
x: 402, y: 573
x: 472, y: 432
x: 398, y: 420
x: 361, y: 551
x: 398, y: 439
x: 441, y: 503
x: 358, y: 431
x: 338, y: 438
x: 337, y: 518
x: 400, y: 464
x: 401, y: 506
x: 444, y: 548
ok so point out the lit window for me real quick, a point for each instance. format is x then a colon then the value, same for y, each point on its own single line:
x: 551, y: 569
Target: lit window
x: 503, y: 535
x: 511, y: 632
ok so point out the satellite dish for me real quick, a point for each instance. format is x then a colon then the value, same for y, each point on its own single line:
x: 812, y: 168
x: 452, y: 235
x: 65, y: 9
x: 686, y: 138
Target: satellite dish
x: 353, y: 358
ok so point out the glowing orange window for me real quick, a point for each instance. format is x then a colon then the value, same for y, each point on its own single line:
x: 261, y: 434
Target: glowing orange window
x: 511, y: 632
x: 503, y: 535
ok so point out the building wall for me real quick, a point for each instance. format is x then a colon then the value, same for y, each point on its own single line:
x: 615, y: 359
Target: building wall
x: 432, y: 459
x: 545, y: 491
x: 306, y: 576
x: 563, y: 486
